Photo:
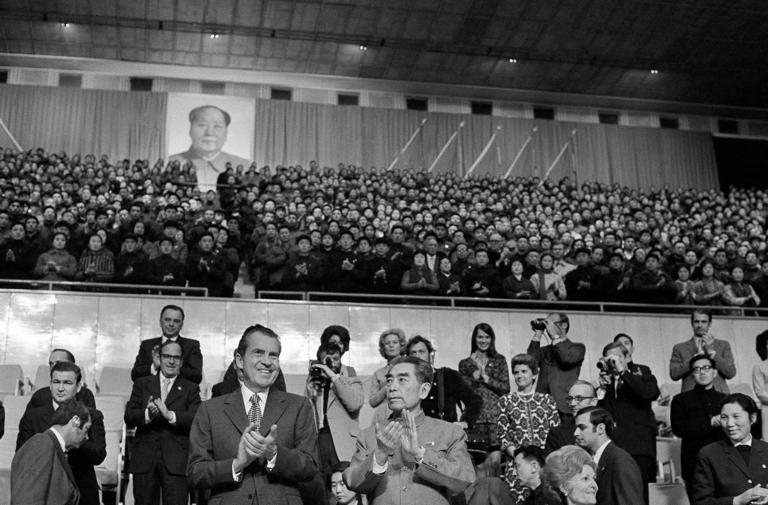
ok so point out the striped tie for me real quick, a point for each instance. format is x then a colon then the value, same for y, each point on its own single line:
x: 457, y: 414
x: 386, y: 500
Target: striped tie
x: 254, y: 414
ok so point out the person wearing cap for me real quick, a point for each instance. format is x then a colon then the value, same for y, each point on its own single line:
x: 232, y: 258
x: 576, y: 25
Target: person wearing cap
x: 131, y: 264
x: 302, y: 271
x: 652, y: 285
x: 164, y: 269
x: 581, y: 283
x: 382, y: 275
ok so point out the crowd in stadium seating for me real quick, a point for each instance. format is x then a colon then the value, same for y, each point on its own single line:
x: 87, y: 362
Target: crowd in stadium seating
x: 350, y: 229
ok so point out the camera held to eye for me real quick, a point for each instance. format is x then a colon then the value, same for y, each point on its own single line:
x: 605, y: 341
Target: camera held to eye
x: 607, y: 366
x: 539, y: 324
x: 317, y: 376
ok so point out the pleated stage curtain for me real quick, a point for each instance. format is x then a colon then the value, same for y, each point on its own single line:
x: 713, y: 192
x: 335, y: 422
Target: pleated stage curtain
x: 132, y: 124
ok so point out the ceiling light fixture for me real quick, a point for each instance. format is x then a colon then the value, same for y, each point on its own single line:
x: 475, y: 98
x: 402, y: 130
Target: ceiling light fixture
x: 513, y: 60
x: 65, y: 25
x: 654, y: 71
x: 363, y: 47
x: 215, y: 35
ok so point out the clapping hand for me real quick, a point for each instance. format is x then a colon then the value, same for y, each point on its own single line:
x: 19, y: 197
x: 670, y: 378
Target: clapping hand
x: 388, y: 439
x: 409, y: 439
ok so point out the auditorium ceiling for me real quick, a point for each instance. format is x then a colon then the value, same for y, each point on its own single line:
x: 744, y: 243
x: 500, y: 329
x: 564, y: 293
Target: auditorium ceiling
x: 704, y: 51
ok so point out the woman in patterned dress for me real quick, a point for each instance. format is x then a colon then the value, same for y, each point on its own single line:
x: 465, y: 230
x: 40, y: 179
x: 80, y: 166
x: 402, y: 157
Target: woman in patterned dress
x: 525, y: 417
x: 485, y: 370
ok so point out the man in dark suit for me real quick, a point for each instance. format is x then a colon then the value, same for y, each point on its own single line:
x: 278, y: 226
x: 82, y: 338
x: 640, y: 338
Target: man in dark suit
x: 42, y: 395
x: 161, y: 408
x: 582, y: 394
x: 148, y: 359
x: 702, y: 342
x: 40, y: 472
x: 629, y: 391
x: 618, y: 477
x: 256, y: 443
x: 65, y: 380
x: 695, y: 415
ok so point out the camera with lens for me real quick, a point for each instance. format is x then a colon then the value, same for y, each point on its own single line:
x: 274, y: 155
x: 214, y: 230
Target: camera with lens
x: 539, y: 324
x: 607, y: 366
x: 317, y: 376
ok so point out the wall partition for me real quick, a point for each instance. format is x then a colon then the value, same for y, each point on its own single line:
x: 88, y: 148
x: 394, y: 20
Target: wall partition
x: 105, y: 330
x: 133, y: 125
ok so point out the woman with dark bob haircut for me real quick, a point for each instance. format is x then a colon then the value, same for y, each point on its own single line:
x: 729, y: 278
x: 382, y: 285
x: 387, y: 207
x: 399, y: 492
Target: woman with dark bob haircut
x: 760, y: 378
x: 569, y: 476
x: 732, y: 470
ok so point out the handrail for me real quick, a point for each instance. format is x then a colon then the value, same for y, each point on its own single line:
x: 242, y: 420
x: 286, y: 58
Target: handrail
x: 501, y: 303
x: 115, y: 287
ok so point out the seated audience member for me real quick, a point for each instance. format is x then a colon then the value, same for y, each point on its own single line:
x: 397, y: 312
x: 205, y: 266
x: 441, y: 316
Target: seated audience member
x: 430, y: 454
x: 205, y: 268
x: 449, y: 391
x: 419, y: 279
x: 56, y: 264
x: 684, y: 286
x: 161, y: 408
x: 339, y: 490
x: 547, y: 284
x: 695, y: 416
x: 614, y: 284
x: 450, y: 284
x: 629, y: 391
x: 383, y: 275
x: 739, y: 293
x: 148, y: 358
x: 618, y: 477
x: 515, y: 285
x: 303, y: 270
x: 528, y: 462
x: 569, y: 477
x: 733, y: 469
x: 581, y: 394
x: 482, y: 278
x: 708, y: 290
x: 131, y: 263
x: 582, y: 283
x: 164, y: 269
x: 16, y: 257
x: 652, y: 284
x: 344, y: 275
x: 42, y: 395
x: 65, y: 381
x: 97, y: 263
x: 702, y: 342
x: 40, y: 470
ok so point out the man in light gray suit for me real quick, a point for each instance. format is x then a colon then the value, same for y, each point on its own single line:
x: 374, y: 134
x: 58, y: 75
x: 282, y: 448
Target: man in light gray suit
x: 411, y: 458
x: 702, y: 342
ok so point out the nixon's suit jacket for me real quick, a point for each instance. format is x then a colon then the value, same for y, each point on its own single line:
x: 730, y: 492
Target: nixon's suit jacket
x: 618, y: 478
x: 445, y: 470
x: 40, y: 474
x: 183, y: 399
x: 679, y: 364
x: 81, y: 460
x: 191, y: 359
x: 720, y: 472
x: 213, y: 442
x: 345, y: 398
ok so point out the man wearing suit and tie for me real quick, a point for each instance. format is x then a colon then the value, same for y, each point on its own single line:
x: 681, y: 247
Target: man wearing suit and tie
x: 161, y: 408
x: 40, y: 472
x: 255, y: 444
x: 618, y: 476
x: 337, y: 399
x: 65, y: 381
x: 148, y: 359
x: 410, y: 458
x: 702, y: 342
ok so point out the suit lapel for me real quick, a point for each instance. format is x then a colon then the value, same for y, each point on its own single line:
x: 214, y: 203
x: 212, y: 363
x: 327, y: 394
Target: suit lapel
x: 62, y: 459
x: 174, y: 392
x: 273, y: 410
x: 235, y: 410
x: 733, y: 455
x: 758, y: 458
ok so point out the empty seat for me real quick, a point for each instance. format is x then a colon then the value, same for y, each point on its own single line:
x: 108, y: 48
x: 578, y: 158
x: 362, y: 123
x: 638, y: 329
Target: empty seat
x: 11, y: 380
x: 115, y: 381
x: 42, y: 377
x: 14, y: 409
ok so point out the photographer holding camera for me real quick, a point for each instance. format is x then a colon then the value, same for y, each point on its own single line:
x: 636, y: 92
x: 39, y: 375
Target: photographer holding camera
x: 629, y: 390
x: 337, y: 399
x: 559, y: 361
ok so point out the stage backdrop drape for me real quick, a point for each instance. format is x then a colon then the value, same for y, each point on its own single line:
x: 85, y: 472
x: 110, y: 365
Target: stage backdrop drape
x: 87, y: 121
x: 131, y: 124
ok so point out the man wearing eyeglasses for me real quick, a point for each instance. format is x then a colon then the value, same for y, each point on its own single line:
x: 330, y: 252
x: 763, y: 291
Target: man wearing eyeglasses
x: 582, y: 394
x: 559, y: 361
x: 162, y: 408
x: 696, y: 414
